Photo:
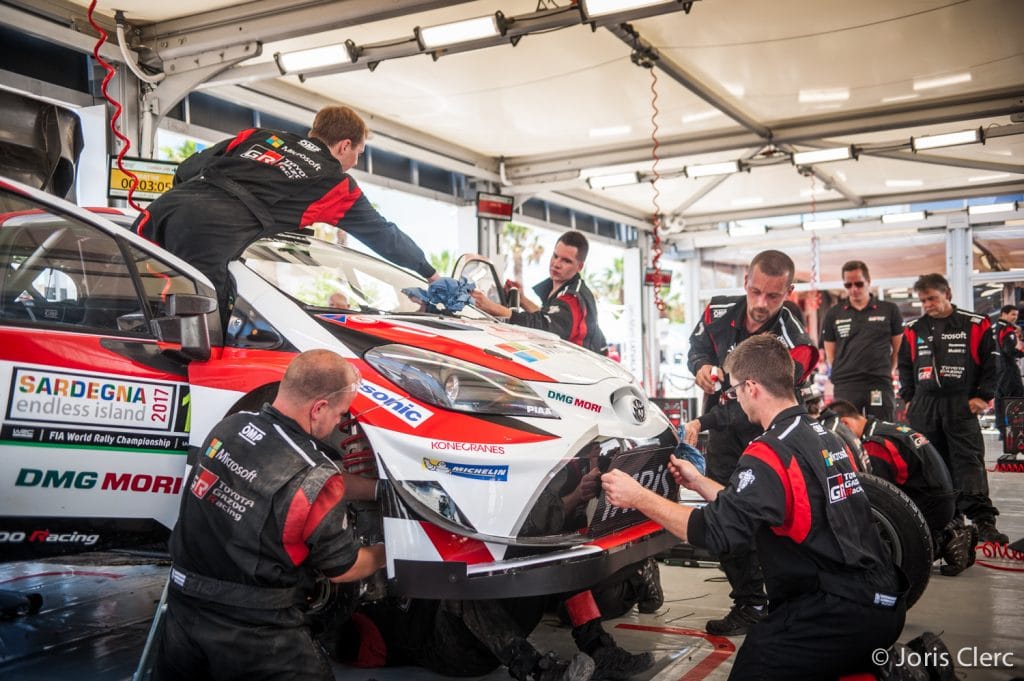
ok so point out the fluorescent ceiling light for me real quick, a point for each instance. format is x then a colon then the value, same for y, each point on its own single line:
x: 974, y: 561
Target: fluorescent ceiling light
x: 913, y: 216
x: 459, y: 31
x: 898, y: 98
x: 599, y: 8
x: 738, y: 229
x: 805, y: 158
x: 904, y: 183
x: 613, y: 180
x: 820, y: 96
x: 816, y: 225
x: 314, y: 58
x: 949, y: 139
x: 942, y: 81
x: 611, y: 131
x: 991, y: 208
x: 707, y: 169
x: 988, y: 178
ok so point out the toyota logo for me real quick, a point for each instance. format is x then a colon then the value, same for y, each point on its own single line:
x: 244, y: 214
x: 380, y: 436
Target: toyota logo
x: 639, y: 411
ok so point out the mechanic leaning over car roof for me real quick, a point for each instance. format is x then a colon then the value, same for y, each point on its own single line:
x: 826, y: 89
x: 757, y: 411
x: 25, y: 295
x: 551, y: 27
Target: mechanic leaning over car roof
x: 263, y: 517
x: 835, y: 593
x: 862, y: 340
x: 1011, y: 349
x: 726, y: 322
x: 264, y: 182
x: 947, y: 365
x: 567, y: 305
x: 908, y: 460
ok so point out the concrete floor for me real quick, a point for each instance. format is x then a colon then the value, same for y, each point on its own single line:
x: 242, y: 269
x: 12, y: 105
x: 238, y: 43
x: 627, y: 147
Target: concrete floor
x: 96, y: 616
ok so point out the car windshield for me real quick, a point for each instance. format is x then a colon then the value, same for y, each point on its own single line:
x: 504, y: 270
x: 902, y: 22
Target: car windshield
x: 323, y: 274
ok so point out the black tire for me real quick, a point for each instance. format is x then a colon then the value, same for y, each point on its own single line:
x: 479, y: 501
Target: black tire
x: 904, y: 529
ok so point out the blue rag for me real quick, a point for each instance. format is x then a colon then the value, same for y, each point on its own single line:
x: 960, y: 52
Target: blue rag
x: 443, y: 294
x: 690, y: 453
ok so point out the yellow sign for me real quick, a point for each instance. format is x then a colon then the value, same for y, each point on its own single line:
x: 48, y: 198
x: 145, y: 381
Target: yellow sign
x: 155, y: 178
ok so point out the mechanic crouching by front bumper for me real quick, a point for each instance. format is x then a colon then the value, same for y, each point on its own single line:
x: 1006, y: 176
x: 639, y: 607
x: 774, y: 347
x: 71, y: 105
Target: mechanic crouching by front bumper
x: 262, y: 517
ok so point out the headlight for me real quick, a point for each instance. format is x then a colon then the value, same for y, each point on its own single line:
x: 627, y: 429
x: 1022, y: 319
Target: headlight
x: 453, y: 384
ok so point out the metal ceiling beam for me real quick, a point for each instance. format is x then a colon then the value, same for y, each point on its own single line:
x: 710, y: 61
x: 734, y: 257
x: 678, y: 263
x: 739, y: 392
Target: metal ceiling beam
x: 270, y: 20
x: 645, y: 50
x: 951, y: 193
x: 973, y: 164
x: 711, y: 186
x: 973, y: 106
x: 64, y: 33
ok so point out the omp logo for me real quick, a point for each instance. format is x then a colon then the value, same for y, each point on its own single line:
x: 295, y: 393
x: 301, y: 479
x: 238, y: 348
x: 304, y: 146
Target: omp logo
x: 306, y: 144
x: 205, y: 479
x: 403, y: 408
x: 274, y: 141
x: 876, y: 318
x: 251, y: 434
x: 114, y: 482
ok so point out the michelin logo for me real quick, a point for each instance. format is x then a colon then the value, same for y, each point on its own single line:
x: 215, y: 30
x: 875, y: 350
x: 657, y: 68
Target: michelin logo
x: 402, y: 407
x: 463, y: 470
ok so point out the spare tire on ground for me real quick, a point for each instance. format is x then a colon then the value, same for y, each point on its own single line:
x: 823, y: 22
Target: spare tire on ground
x: 903, y: 529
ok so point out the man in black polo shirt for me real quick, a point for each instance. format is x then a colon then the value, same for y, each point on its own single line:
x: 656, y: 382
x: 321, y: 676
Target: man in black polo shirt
x: 862, y: 341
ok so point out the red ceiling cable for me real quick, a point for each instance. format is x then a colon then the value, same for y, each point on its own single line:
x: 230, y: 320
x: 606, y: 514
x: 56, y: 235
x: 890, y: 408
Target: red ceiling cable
x: 126, y: 143
x: 656, y: 219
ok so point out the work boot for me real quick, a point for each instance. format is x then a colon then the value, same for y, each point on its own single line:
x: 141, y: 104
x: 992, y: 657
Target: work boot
x: 987, y: 532
x: 653, y: 597
x: 551, y: 668
x: 610, y: 661
x: 957, y: 549
x: 935, y: 656
x: 736, y: 622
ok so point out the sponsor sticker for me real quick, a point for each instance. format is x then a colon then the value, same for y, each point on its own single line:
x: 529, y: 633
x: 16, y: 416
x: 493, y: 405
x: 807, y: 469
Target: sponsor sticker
x: 64, y: 398
x: 841, y: 486
x: 400, y: 407
x: 580, y: 403
x: 258, y: 152
x: 924, y: 374
x: 251, y: 433
x: 467, y: 470
x: 205, y: 479
x: 449, y: 446
x: 744, y: 479
x: 521, y: 351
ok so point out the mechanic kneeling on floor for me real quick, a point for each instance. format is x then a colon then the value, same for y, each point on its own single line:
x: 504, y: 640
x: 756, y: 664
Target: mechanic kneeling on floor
x: 834, y: 593
x: 263, y: 516
x: 908, y: 460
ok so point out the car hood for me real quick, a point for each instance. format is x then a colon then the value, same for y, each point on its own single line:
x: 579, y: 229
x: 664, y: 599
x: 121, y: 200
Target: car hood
x: 527, y: 354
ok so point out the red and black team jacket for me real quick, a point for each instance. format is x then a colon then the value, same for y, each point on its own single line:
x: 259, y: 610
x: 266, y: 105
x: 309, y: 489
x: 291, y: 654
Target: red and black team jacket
x: 904, y: 457
x: 1006, y: 336
x: 571, y: 313
x: 720, y: 329
x: 795, y: 494
x: 262, y: 515
x: 960, y: 359
x: 288, y: 182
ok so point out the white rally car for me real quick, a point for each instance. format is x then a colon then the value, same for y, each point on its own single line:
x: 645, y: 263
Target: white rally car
x: 490, y: 437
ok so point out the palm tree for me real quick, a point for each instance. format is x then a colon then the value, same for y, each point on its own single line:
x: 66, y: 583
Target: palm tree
x: 519, y: 240
x: 442, y: 262
x: 607, y: 284
x: 179, y: 153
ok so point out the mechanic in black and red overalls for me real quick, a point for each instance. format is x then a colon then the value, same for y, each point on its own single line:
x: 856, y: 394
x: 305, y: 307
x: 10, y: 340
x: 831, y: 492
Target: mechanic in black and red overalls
x: 1008, y: 342
x: 262, y: 519
x: 907, y: 459
x: 835, y: 595
x: 947, y: 366
x: 264, y: 182
x: 567, y: 306
x: 726, y: 322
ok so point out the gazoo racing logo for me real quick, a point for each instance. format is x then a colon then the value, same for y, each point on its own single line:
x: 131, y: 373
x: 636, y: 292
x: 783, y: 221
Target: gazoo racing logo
x: 841, y: 486
x: 401, y: 407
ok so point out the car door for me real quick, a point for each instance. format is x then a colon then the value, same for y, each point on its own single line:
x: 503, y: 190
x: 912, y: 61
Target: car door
x: 95, y: 411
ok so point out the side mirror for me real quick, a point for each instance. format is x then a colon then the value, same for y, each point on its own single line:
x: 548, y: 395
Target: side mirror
x: 186, y: 324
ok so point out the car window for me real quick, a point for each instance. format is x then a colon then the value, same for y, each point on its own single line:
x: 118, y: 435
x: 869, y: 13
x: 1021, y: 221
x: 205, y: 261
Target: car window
x: 322, y: 274
x: 159, y: 280
x: 56, y: 270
